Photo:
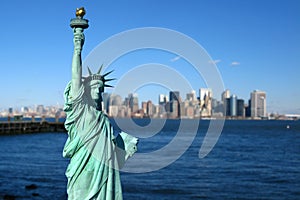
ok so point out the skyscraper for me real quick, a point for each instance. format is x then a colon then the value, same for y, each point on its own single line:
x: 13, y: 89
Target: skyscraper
x: 162, y: 99
x: 106, y: 97
x: 227, y: 107
x: 133, y: 102
x: 205, y: 97
x: 225, y: 95
x: 240, y: 108
x: 174, y: 96
x: 205, y: 92
x: 149, y: 108
x: 258, y: 104
x: 233, y: 105
x: 175, y: 104
x: 226, y: 102
x: 191, y: 96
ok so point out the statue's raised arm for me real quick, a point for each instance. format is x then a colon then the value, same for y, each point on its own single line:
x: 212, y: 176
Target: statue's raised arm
x: 76, y: 62
x: 78, y: 24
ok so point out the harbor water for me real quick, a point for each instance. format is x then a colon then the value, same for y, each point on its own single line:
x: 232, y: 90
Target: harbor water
x: 251, y: 160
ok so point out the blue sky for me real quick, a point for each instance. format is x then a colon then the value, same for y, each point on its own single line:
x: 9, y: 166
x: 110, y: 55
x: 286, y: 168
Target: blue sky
x: 255, y: 43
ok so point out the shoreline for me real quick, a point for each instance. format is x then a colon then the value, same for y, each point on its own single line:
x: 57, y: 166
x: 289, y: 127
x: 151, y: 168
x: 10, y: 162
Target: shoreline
x: 46, y: 126
x: 27, y: 127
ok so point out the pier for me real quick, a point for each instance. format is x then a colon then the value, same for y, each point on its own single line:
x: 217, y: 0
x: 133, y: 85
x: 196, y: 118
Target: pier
x: 20, y: 127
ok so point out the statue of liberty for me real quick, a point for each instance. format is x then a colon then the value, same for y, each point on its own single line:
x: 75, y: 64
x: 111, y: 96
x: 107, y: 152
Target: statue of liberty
x: 96, y: 155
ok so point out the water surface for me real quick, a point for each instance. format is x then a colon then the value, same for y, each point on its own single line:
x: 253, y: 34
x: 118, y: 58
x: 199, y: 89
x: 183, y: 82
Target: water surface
x: 251, y: 160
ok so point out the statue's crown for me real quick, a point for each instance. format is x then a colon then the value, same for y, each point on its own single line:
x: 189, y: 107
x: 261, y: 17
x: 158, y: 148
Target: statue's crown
x: 97, y: 76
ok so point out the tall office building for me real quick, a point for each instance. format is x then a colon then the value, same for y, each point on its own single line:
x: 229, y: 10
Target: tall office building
x: 115, y: 100
x: 258, y: 104
x: 191, y: 96
x: 225, y: 95
x: 40, y: 109
x: 205, y: 92
x: 10, y: 111
x: 240, y: 108
x: 144, y: 107
x: 174, y: 96
x: 175, y: 104
x: 149, y: 108
x: 133, y: 102
x: 226, y: 102
x: 174, y: 109
x: 233, y: 105
x: 106, y: 97
x: 205, y: 97
x: 248, y: 109
x: 227, y: 107
x: 162, y: 99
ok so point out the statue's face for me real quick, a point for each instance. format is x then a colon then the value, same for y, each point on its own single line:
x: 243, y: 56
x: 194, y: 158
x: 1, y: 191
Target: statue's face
x: 96, y: 89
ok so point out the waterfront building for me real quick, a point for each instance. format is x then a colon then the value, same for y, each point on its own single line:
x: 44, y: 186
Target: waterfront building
x: 162, y: 113
x: 175, y: 96
x: 126, y: 102
x: 106, y: 98
x: 189, y: 112
x: 127, y: 111
x: 205, y: 98
x: 175, y: 101
x: 40, y: 109
x: 24, y: 109
x: 149, y: 108
x: 133, y: 103
x: 225, y: 95
x: 113, y: 111
x: 191, y: 96
x: 240, y: 108
x: 217, y: 108
x: 174, y: 111
x: 162, y: 99
x: 226, y: 105
x: 10, y: 111
x: 258, y: 104
x: 182, y: 107
x: 124, y: 111
x: 115, y: 100
x: 144, y: 106
x: 168, y: 107
x: 248, y: 109
x: 205, y: 92
x: 233, y: 106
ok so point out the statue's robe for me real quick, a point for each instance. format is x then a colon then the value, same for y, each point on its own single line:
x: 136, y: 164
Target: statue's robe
x: 91, y: 146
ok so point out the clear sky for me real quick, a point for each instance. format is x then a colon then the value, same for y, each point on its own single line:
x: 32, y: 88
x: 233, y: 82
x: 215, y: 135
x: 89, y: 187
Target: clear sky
x: 255, y: 44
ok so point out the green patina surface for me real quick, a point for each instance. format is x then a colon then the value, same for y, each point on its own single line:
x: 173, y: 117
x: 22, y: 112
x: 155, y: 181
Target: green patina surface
x: 96, y: 155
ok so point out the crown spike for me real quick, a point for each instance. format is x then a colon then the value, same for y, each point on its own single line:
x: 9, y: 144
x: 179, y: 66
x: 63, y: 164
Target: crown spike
x: 110, y: 79
x: 90, y: 72
x: 108, y: 86
x: 107, y: 73
x: 99, y: 71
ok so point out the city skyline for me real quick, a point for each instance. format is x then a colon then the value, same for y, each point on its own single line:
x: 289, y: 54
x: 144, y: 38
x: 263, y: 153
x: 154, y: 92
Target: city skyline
x: 255, y: 45
x: 172, y: 105
x: 190, y: 96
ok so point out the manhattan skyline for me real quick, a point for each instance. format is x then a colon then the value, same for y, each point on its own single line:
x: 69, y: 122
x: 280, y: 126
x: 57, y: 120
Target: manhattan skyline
x: 254, y: 44
x: 172, y: 105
